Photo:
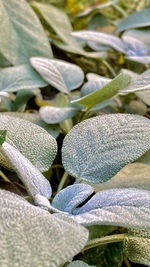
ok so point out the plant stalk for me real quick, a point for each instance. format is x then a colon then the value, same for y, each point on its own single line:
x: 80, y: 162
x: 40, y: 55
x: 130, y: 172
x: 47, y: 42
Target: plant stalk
x: 104, y: 240
x: 109, y: 67
x: 62, y: 181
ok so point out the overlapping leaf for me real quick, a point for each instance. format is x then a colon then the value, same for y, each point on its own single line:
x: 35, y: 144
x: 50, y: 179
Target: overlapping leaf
x: 79, y: 264
x: 62, y: 75
x: 104, y: 93
x: 136, y: 20
x: 91, y: 150
x: 13, y: 79
x: 54, y: 115
x: 22, y: 35
x: 33, y: 237
x: 31, y: 140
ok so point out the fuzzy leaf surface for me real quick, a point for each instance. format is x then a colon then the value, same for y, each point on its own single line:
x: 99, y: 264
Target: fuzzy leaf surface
x: 52, y: 115
x: 31, y: 140
x: 33, y: 237
x: 91, y: 150
x: 20, y: 77
x: 22, y: 35
x: 104, y: 93
x: 79, y: 264
x: 62, y: 75
x: 70, y: 197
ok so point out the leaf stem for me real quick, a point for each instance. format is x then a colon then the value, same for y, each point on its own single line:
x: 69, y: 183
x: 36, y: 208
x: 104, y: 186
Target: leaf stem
x: 109, y: 67
x: 62, y: 181
x: 121, y: 10
x: 104, y: 240
x: 4, y: 177
x: 127, y: 262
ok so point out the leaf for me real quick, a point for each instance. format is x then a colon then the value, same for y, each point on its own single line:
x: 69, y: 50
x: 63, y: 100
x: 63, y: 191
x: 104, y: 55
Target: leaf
x: 141, y: 34
x: 54, y: 115
x: 138, y: 82
x: 21, y: 77
x: 117, y: 207
x: 102, y: 38
x: 60, y: 23
x: 70, y: 197
x: 62, y: 75
x: 33, y: 237
x: 32, y: 141
x: 22, y: 97
x: 22, y: 35
x: 91, y: 150
x: 135, y: 175
x: 35, y: 118
x: 36, y: 184
x: 93, y: 86
x: 3, y: 134
x: 93, y: 76
x: 137, y: 246
x: 106, y: 92
x: 79, y: 264
x: 138, y: 19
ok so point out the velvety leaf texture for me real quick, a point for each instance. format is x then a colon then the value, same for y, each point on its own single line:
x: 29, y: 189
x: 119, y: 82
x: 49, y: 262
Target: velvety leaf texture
x: 54, y: 115
x: 91, y: 150
x: 70, y: 197
x: 31, y: 140
x: 22, y: 35
x: 79, y: 264
x: 137, y: 246
x: 33, y: 237
x: 36, y: 184
x: 35, y: 118
x: 62, y: 75
x: 13, y: 79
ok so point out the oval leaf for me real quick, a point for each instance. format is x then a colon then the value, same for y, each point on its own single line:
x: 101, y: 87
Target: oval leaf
x: 91, y: 150
x: 13, y: 79
x: 106, y: 92
x: 62, y: 75
x: 138, y: 19
x: 32, y: 141
x: 33, y: 237
x: 22, y: 35
x: 54, y: 115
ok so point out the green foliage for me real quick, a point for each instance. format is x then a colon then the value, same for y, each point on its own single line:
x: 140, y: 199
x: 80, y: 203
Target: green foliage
x: 63, y: 121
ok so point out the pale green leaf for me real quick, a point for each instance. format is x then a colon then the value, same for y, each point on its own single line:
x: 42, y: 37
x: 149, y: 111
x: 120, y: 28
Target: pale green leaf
x: 62, y: 75
x: 33, y: 237
x: 136, y: 175
x: 52, y: 115
x: 60, y: 23
x: 3, y: 134
x: 35, y: 118
x: 138, y: 19
x: 13, y: 79
x: 32, y: 141
x: 36, y: 184
x: 106, y: 92
x: 91, y: 150
x: 137, y: 246
x: 22, y: 35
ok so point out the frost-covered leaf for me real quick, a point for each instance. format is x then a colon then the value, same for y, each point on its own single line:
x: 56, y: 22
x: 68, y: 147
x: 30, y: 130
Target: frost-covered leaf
x: 93, y: 76
x: 33, y: 237
x: 22, y: 35
x: 102, y: 38
x: 3, y: 134
x: 35, y: 118
x: 62, y: 75
x: 137, y: 246
x: 92, y: 86
x: 13, y: 79
x: 36, y: 184
x: 106, y: 92
x: 91, y: 150
x: 140, y: 34
x: 138, y: 19
x: 60, y: 23
x: 139, y: 82
x: 79, y: 264
x: 135, y: 175
x: 52, y: 115
x: 32, y: 141
x: 70, y: 197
